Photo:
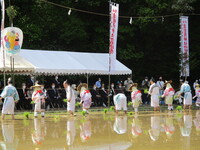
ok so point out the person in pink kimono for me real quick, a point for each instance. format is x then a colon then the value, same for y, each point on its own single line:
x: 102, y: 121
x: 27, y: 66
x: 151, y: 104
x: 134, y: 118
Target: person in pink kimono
x: 85, y: 95
x: 169, y: 94
x: 197, y: 95
x: 135, y: 96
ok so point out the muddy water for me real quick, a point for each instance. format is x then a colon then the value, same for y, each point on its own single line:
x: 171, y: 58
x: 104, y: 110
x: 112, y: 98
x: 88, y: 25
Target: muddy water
x: 152, y: 131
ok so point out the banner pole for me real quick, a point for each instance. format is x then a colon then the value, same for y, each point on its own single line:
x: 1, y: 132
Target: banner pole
x: 2, y: 48
x: 109, y: 55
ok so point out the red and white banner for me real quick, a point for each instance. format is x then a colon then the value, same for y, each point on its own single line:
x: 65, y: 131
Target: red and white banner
x: 114, y: 15
x: 184, y: 46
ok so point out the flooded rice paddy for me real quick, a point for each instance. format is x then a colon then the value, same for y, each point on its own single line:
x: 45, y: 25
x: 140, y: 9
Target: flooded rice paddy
x: 148, y: 130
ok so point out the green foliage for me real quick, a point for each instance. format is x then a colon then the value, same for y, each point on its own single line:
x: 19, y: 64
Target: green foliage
x: 11, y: 12
x: 83, y: 113
x: 32, y: 102
x: 130, y: 114
x: 26, y: 115
x: 77, y: 104
x: 65, y: 100
x: 179, y: 108
x: 105, y: 110
x: 130, y: 103
x: 112, y: 108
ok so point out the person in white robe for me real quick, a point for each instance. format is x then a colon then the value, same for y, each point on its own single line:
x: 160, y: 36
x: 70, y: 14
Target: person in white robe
x: 86, y: 97
x: 70, y: 97
x: 154, y: 92
x: 186, y: 90
x: 38, y: 97
x: 10, y: 96
x: 136, y: 96
x: 120, y: 102
x: 169, y: 94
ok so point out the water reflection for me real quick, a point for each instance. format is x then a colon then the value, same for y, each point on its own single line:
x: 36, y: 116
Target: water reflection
x: 39, y: 133
x: 179, y: 130
x: 120, y: 125
x: 136, y: 127
x: 85, y: 130
x: 8, y: 132
x: 154, y: 132
x: 186, y: 125
x: 71, y: 131
x: 168, y: 125
x: 197, y: 122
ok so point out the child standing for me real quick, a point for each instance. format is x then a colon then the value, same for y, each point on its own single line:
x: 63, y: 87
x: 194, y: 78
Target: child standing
x: 38, y: 98
x: 169, y: 94
x: 135, y: 96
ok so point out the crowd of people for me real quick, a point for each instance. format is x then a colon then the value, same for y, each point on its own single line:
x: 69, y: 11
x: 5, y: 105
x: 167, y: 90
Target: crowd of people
x: 34, y: 96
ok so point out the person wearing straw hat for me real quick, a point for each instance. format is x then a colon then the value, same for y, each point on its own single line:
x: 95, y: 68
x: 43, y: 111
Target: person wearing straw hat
x: 168, y: 94
x: 197, y: 95
x: 10, y: 96
x: 135, y: 96
x: 86, y: 97
x: 38, y: 97
x: 185, y: 88
x: 70, y: 97
x: 154, y: 92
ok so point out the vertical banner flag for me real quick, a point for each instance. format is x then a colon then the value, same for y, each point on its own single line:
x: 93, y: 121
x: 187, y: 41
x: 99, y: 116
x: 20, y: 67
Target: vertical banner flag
x: 12, y: 38
x: 184, y: 45
x: 114, y: 14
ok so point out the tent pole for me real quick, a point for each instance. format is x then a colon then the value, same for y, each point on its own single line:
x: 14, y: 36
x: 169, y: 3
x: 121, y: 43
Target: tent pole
x: 108, y: 90
x: 87, y: 80
x: 4, y: 76
x: 13, y: 70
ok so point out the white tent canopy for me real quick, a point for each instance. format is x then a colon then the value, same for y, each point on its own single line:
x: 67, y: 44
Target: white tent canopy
x: 64, y: 62
x: 22, y: 66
